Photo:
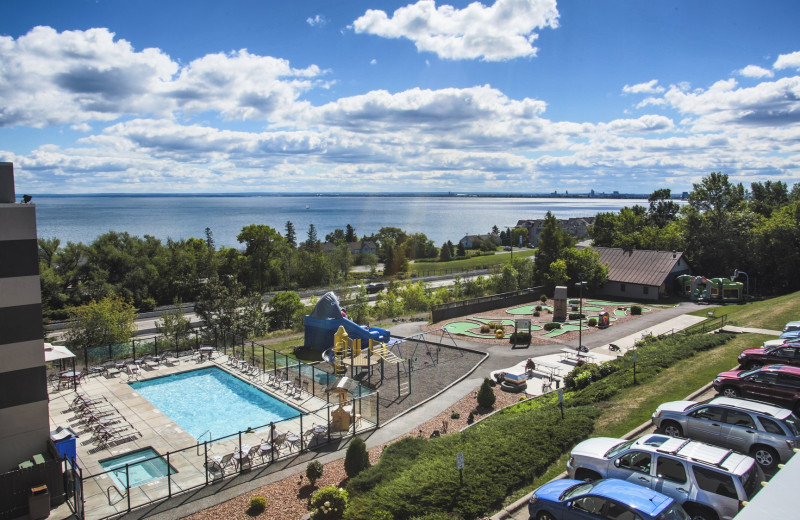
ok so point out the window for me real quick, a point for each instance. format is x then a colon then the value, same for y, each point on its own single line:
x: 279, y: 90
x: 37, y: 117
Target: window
x: 789, y: 380
x: 709, y: 413
x: 714, y: 482
x: 769, y: 378
x: 617, y: 511
x: 636, y: 460
x: 739, y: 418
x: 622, y: 287
x: 645, y: 290
x: 671, y: 469
x: 786, y: 353
x: 589, y: 504
x: 770, y: 426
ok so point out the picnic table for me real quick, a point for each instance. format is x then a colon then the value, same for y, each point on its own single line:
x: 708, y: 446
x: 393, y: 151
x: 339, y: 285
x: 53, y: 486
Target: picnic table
x: 554, y: 370
x: 576, y: 355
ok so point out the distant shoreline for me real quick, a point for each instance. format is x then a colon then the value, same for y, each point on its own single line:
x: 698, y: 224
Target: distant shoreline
x: 358, y: 194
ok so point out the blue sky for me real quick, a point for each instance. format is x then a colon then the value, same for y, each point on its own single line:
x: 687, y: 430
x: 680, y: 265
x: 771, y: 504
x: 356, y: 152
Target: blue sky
x: 511, y: 96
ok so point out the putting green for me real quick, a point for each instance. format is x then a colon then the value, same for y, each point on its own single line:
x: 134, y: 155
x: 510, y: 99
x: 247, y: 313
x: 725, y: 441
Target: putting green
x: 528, y: 309
x: 567, y: 327
x: 494, y: 320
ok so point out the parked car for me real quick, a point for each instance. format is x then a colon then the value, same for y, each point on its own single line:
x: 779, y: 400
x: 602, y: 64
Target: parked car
x: 375, y: 287
x: 779, y: 384
x: 569, y: 499
x: 766, y: 432
x: 781, y: 354
x: 790, y: 335
x: 792, y: 325
x: 709, y: 482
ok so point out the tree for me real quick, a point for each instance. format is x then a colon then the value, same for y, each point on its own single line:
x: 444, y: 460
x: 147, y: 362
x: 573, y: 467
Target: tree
x: 358, y: 310
x: 336, y: 236
x: 460, y: 251
x: 284, y: 308
x: 663, y: 209
x: 314, y: 471
x: 552, y: 240
x: 486, y: 397
x: 291, y: 235
x: 767, y: 197
x: 105, y: 322
x: 312, y: 242
x: 508, y: 280
x: 350, y: 234
x: 209, y: 239
x: 356, y: 459
x: 342, y: 258
x: 261, y: 245
x: 174, y: 324
x: 444, y: 253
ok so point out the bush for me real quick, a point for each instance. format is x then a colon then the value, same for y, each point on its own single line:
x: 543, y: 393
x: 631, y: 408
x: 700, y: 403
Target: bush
x: 486, y: 397
x: 551, y: 325
x: 543, y: 298
x: 329, y: 503
x: 536, y: 314
x: 636, y: 310
x: 573, y: 308
x: 493, y: 325
x: 593, y: 322
x: 257, y: 506
x: 356, y: 459
x: 577, y: 316
x: 381, y: 514
x: 539, y: 308
x: 520, y: 337
x: 455, y: 415
x: 314, y: 471
x: 471, y: 418
x: 484, y: 328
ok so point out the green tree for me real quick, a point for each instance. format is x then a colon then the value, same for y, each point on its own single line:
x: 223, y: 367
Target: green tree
x: 105, y: 322
x: 556, y: 275
x: 508, y: 280
x: 356, y: 459
x: 350, y: 234
x: 767, y: 197
x: 174, y: 325
x: 283, y: 310
x: 359, y: 309
x: 663, y: 209
x: 261, y: 246
x: 444, y: 253
x: 342, y: 258
x: 291, y: 235
x: 486, y: 397
x: 460, y: 251
x: 312, y: 242
x: 552, y: 240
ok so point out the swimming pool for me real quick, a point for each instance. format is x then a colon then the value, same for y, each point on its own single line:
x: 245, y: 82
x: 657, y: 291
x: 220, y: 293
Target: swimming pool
x: 212, y: 400
x: 145, y: 465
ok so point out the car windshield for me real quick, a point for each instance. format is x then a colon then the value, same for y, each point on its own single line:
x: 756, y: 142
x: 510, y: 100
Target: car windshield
x: 751, y: 480
x: 673, y: 512
x: 618, y: 448
x: 748, y: 372
x: 793, y: 424
x: 577, y: 489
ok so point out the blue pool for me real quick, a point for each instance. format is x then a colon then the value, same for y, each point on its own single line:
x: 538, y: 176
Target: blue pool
x: 212, y: 400
x: 144, y: 466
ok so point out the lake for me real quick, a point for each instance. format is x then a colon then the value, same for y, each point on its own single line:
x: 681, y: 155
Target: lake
x: 441, y: 218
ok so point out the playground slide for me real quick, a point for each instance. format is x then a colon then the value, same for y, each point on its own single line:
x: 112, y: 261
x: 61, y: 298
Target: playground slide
x: 356, y: 331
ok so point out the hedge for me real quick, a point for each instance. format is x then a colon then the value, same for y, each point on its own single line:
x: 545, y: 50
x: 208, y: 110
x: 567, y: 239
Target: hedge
x: 418, y: 477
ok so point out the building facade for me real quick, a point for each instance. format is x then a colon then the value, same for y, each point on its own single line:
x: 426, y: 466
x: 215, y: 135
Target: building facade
x: 24, y: 419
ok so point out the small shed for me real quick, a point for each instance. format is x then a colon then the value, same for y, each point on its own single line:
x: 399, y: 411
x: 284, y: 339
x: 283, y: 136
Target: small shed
x: 560, y: 303
x: 342, y: 416
x: 341, y: 387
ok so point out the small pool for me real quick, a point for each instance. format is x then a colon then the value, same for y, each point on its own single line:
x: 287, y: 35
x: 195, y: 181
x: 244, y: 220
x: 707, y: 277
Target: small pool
x: 144, y: 465
x: 211, y: 403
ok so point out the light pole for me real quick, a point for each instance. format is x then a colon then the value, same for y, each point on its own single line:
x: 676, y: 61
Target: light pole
x: 580, y: 284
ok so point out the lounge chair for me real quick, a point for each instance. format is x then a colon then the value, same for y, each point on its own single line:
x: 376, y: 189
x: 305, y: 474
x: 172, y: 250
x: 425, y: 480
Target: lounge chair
x: 215, y: 469
x: 170, y: 358
x: 247, y: 460
x: 225, y: 461
x: 133, y: 371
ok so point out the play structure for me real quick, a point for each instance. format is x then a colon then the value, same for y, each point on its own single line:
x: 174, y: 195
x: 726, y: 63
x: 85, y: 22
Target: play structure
x: 326, y: 318
x: 347, y: 352
x: 709, y: 290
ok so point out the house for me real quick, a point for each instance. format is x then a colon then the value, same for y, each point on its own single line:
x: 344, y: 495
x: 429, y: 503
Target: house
x: 577, y: 227
x: 640, y: 274
x: 474, y: 241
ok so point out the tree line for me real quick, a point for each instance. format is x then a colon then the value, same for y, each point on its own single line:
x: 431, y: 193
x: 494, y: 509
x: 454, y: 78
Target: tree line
x: 722, y: 228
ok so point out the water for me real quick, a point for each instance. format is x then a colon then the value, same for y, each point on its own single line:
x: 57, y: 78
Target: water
x: 84, y: 218
x: 212, y: 400
x: 145, y: 466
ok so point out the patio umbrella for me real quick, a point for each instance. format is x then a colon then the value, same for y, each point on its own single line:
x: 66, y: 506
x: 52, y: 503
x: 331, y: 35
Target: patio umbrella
x: 55, y: 352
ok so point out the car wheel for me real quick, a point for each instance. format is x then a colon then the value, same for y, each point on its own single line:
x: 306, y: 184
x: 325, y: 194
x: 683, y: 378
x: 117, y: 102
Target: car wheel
x: 544, y: 515
x: 700, y: 513
x: 766, y: 457
x: 586, y: 474
x: 672, y: 429
x: 730, y: 391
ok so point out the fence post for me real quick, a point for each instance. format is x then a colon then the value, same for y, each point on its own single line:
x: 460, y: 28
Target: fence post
x: 169, y: 478
x: 133, y: 348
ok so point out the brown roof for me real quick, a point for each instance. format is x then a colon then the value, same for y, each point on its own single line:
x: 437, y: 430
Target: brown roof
x: 641, y: 267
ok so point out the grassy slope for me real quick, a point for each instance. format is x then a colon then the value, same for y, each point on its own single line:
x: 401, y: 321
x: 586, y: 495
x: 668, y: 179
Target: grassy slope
x: 469, y: 263
x: 633, y: 406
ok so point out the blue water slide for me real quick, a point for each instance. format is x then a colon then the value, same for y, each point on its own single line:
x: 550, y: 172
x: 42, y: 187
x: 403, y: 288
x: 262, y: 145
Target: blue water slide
x: 325, y: 320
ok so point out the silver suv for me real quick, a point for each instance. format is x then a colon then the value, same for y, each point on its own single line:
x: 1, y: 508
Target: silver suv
x: 709, y: 482
x: 767, y: 432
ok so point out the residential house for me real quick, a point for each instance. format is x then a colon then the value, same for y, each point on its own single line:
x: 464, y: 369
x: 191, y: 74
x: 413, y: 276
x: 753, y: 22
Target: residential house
x: 640, y: 274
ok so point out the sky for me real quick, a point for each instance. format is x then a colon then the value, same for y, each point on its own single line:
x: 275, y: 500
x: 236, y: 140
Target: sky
x: 510, y: 96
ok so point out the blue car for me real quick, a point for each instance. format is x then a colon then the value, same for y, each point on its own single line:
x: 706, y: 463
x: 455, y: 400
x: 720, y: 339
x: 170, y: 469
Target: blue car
x: 605, y: 499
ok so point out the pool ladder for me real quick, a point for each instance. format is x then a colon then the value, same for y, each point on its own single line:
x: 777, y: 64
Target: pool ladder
x: 108, y: 494
x: 200, y: 437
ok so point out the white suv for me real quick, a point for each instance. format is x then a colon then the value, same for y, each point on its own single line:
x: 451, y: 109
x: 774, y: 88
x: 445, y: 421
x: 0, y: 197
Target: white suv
x: 709, y: 482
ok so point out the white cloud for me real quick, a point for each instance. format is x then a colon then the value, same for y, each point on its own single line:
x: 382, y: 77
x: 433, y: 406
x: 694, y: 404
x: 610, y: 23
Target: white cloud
x: 503, y: 31
x: 82, y: 127
x: 316, y: 20
x: 788, y: 61
x: 650, y: 87
x: 52, y: 78
x: 754, y: 71
x: 373, y: 61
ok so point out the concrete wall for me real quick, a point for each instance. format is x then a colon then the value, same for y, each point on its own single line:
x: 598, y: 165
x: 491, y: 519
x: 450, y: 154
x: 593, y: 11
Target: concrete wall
x: 498, y: 301
x: 24, y: 419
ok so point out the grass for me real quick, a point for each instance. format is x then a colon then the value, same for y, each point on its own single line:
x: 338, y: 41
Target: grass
x: 468, y: 264
x: 633, y: 406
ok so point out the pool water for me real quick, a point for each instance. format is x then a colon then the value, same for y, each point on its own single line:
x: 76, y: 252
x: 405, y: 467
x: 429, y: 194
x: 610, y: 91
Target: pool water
x: 145, y: 465
x: 211, y: 403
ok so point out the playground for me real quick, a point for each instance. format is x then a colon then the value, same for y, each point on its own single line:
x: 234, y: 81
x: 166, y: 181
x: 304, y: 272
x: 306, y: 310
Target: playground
x: 475, y: 327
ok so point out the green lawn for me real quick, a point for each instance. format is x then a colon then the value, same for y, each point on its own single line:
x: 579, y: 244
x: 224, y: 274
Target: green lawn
x: 468, y: 264
x: 772, y: 313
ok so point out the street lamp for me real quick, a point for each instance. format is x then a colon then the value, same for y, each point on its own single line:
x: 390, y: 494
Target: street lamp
x: 580, y: 284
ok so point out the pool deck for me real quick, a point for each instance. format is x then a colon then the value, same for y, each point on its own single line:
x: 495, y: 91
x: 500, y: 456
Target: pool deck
x: 159, y: 432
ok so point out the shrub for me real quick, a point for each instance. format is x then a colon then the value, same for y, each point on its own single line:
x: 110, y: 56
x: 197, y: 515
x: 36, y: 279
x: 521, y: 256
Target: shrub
x: 593, y: 322
x: 577, y: 316
x: 543, y: 298
x: 636, y: 310
x: 381, y: 514
x: 471, y: 418
x: 536, y: 313
x: 551, y: 325
x: 257, y: 506
x: 539, y: 308
x: 520, y: 337
x: 356, y: 459
x: 455, y: 415
x: 486, y: 397
x: 314, y: 471
x: 493, y: 325
x: 573, y: 308
x: 329, y: 503
x: 484, y: 328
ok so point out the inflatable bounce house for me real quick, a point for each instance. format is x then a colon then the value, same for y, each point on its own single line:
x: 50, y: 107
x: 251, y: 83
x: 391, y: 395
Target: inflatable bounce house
x: 709, y: 290
x: 325, y: 320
